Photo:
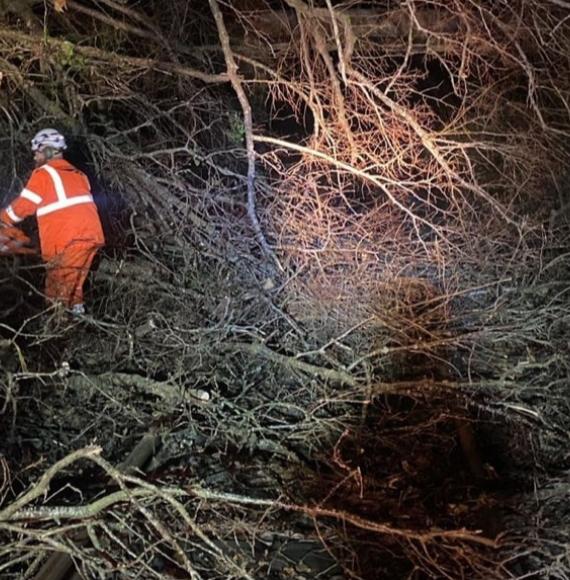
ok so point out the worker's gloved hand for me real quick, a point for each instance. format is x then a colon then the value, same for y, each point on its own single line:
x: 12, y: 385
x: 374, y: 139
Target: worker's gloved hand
x: 14, y: 241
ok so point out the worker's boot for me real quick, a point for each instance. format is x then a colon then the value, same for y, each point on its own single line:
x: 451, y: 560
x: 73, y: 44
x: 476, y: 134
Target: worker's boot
x: 78, y: 310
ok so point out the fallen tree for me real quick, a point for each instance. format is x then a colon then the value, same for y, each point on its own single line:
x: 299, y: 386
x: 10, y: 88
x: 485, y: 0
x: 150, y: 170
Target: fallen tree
x: 334, y: 291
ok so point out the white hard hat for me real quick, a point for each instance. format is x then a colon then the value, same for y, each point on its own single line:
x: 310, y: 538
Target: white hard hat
x: 48, y: 138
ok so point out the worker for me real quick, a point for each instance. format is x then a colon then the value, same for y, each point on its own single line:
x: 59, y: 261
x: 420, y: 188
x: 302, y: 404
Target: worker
x: 69, y: 227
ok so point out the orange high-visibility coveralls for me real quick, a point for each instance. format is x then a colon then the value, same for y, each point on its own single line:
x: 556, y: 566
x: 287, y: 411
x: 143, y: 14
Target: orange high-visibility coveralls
x: 69, y: 226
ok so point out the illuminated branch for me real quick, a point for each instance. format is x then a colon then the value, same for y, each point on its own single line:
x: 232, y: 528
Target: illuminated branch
x: 429, y: 143
x: 381, y: 183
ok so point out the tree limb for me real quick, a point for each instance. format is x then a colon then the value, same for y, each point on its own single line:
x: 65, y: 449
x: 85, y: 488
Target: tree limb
x: 232, y: 69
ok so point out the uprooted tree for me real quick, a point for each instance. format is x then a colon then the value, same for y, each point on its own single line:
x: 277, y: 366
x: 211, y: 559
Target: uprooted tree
x: 333, y: 305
